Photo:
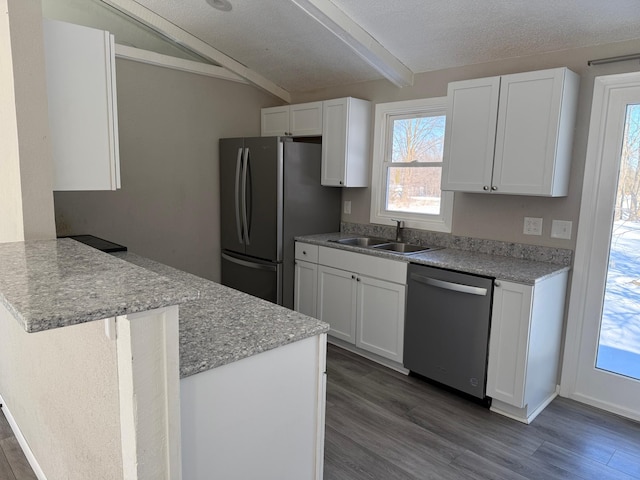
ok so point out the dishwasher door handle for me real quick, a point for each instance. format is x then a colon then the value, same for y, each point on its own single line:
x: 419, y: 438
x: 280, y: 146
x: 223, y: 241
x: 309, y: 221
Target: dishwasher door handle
x: 456, y: 287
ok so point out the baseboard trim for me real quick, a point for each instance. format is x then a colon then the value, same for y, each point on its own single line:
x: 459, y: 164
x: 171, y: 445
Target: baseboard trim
x: 368, y: 355
x: 606, y: 406
x: 35, y: 466
x: 520, y: 414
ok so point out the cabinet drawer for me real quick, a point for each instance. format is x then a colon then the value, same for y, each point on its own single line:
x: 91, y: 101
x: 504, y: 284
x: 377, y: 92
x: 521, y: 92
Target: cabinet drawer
x: 376, y: 267
x: 307, y: 252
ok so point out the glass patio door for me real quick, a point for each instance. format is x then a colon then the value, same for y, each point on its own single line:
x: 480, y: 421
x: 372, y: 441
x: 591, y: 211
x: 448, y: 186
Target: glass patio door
x: 602, y: 350
x: 619, y: 339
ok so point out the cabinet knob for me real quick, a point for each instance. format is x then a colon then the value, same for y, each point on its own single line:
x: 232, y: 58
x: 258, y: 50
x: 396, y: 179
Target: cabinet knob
x: 353, y: 277
x: 358, y: 279
x: 304, y: 253
x: 486, y: 187
x: 340, y: 182
x: 496, y: 283
x: 494, y: 188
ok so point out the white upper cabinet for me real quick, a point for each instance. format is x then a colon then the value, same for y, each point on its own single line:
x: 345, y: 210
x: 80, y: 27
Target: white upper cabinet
x: 83, y: 120
x: 346, y: 139
x: 511, y: 134
x: 274, y: 121
x: 304, y: 119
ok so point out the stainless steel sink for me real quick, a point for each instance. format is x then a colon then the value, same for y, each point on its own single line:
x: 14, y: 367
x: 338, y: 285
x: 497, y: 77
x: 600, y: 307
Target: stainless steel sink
x: 361, y: 241
x: 402, y: 248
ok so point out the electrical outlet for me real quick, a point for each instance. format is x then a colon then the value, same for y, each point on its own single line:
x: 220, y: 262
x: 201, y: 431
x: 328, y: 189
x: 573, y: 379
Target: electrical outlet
x: 532, y: 226
x: 561, y: 229
x: 347, y: 207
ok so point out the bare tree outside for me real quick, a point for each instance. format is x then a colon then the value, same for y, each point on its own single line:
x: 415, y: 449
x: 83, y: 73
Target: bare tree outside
x: 413, y: 178
x: 627, y: 201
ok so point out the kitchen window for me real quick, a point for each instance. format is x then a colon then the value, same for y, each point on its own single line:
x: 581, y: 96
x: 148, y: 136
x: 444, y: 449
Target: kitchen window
x: 407, y: 165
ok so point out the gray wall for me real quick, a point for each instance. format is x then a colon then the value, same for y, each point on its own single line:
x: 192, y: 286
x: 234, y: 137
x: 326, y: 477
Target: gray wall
x: 498, y: 217
x: 167, y: 209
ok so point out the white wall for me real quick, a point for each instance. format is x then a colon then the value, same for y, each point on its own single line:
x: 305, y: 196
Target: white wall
x: 61, y: 386
x: 26, y: 172
x: 168, y: 207
x: 498, y: 217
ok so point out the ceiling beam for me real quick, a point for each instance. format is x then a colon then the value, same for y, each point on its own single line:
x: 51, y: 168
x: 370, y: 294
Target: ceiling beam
x: 358, y: 39
x: 180, y: 36
x: 167, y: 61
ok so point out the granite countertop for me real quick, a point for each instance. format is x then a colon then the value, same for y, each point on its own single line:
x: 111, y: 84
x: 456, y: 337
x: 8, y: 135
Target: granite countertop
x: 55, y: 283
x: 225, y: 325
x: 497, y: 266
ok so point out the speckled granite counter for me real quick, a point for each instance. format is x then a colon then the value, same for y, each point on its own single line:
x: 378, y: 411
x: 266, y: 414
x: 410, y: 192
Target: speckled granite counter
x: 56, y: 283
x: 505, y: 268
x: 226, y: 325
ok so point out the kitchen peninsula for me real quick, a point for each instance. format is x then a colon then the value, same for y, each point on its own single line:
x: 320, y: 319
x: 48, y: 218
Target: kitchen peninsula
x: 91, y: 361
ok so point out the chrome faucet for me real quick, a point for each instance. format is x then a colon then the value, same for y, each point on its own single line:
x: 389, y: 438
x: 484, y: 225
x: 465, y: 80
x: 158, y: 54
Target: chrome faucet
x: 399, y: 227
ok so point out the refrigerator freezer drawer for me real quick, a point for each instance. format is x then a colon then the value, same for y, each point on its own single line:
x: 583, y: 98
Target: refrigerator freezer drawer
x: 259, y: 278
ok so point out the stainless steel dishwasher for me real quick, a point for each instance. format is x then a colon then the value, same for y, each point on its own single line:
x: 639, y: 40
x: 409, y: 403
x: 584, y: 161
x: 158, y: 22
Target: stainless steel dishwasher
x: 447, y: 325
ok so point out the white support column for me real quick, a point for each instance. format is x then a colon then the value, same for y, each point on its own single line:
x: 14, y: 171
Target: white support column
x: 149, y: 381
x: 26, y: 170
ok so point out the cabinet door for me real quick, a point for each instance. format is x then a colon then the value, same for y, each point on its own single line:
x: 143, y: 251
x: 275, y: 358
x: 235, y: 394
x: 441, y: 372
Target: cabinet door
x: 83, y: 121
x: 509, y: 342
x: 305, y: 119
x: 380, y: 317
x: 346, y: 142
x: 527, y: 132
x: 337, y: 302
x: 334, y: 142
x: 274, y: 121
x: 306, y: 288
x: 472, y: 109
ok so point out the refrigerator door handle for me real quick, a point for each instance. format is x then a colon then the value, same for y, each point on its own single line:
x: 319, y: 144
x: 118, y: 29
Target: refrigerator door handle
x: 244, y: 263
x: 244, y: 195
x: 237, y: 197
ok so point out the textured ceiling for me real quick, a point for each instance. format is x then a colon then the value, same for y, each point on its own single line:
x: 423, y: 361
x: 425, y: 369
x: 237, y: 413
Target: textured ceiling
x: 278, y: 40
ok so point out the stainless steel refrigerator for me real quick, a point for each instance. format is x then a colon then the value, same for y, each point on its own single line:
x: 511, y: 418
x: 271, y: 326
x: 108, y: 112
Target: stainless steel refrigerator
x: 270, y: 192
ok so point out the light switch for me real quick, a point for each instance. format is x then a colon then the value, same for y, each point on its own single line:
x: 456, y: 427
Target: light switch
x: 561, y: 229
x: 532, y: 226
x: 347, y: 207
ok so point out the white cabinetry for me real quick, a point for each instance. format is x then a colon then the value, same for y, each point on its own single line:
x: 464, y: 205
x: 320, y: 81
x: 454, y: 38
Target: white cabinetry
x: 306, y: 279
x: 511, y: 134
x: 524, y: 347
x: 304, y: 119
x: 362, y: 298
x: 337, y: 302
x: 345, y: 126
x: 346, y: 139
x: 83, y: 120
x: 380, y: 317
x: 260, y: 417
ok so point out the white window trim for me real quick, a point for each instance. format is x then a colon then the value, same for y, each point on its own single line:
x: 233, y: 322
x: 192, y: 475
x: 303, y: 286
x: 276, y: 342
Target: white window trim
x: 437, y: 223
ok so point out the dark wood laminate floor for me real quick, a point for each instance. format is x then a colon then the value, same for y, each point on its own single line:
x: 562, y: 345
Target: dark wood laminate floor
x: 384, y: 425
x: 13, y: 463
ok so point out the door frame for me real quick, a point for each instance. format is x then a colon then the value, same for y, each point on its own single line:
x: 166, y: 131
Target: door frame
x: 594, y: 210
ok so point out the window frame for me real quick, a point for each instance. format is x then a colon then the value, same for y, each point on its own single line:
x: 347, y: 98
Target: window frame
x: 382, y: 137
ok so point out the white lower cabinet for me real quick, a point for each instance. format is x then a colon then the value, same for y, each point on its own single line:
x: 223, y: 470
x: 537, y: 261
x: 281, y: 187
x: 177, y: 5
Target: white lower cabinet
x: 306, y: 288
x: 337, y: 302
x: 524, y: 346
x: 380, y: 317
x: 361, y: 297
x: 259, y: 417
